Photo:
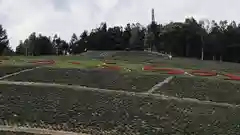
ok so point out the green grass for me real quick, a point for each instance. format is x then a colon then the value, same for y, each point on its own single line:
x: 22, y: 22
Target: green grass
x: 128, y: 61
x: 188, y: 63
x: 68, y: 64
x: 134, y: 60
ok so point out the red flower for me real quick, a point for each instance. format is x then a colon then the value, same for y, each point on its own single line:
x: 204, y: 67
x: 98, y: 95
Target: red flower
x: 171, y: 71
x: 167, y: 70
x: 148, y: 68
x: 203, y: 73
x: 75, y: 63
x: 44, y: 62
x: 111, y: 67
x: 232, y: 77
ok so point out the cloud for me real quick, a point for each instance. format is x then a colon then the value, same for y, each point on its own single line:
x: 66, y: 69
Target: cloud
x: 64, y: 17
x: 61, y: 5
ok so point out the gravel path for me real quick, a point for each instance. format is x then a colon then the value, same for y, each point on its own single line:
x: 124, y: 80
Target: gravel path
x: 160, y: 84
x: 17, y: 73
x: 37, y: 131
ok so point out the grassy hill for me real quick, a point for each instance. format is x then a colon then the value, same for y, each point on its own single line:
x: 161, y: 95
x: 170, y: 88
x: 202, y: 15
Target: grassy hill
x: 106, y: 92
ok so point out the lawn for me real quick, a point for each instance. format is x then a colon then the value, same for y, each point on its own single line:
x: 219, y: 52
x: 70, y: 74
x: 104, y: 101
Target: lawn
x: 106, y: 113
x: 133, y: 60
x: 185, y: 63
x: 203, y: 89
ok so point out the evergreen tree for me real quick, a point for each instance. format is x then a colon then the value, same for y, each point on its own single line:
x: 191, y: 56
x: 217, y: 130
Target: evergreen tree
x: 3, y: 39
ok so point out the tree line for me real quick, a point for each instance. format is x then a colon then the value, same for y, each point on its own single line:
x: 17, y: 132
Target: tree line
x: 207, y: 40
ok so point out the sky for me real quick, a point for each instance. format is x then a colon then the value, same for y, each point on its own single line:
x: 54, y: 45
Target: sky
x: 64, y: 17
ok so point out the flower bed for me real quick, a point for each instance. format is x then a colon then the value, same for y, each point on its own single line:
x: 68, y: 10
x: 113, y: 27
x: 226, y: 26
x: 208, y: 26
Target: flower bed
x: 165, y: 70
x: 44, y: 62
x: 75, y: 63
x: 232, y: 77
x: 194, y: 72
x: 148, y: 68
x: 112, y: 67
x: 203, y: 73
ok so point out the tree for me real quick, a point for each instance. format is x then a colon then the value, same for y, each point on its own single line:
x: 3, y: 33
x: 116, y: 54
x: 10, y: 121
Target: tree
x: 79, y: 45
x: 222, y: 38
x: 115, y: 38
x: 35, y: 46
x: 57, y: 44
x: 72, y: 44
x: 30, y: 44
x: 126, y: 36
x: 43, y: 46
x: 8, y: 51
x: 173, y: 31
x: 64, y: 47
x: 202, y: 40
x: 3, y: 39
x: 152, y: 37
x: 137, y: 37
x: 20, y: 49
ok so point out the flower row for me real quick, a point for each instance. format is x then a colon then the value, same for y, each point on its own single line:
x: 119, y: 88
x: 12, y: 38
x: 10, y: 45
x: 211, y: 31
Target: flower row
x: 193, y: 72
x: 112, y: 66
x: 44, y: 62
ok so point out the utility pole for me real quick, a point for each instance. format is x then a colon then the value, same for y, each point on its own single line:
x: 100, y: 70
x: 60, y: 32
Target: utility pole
x: 202, y: 55
x: 205, y: 24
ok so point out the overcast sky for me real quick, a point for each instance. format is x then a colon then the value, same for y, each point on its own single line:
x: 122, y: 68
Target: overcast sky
x: 22, y: 17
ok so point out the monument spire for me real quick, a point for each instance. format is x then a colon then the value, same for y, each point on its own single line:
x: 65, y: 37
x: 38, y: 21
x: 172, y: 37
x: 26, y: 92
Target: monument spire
x: 153, y: 15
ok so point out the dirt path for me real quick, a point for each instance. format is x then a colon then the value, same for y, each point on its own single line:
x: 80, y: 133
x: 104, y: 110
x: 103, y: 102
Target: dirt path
x: 17, y: 73
x: 160, y: 84
x: 37, y: 131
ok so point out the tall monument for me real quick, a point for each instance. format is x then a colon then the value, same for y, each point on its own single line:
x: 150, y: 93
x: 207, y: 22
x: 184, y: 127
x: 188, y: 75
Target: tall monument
x: 153, y: 24
x: 153, y: 15
x: 149, y: 35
